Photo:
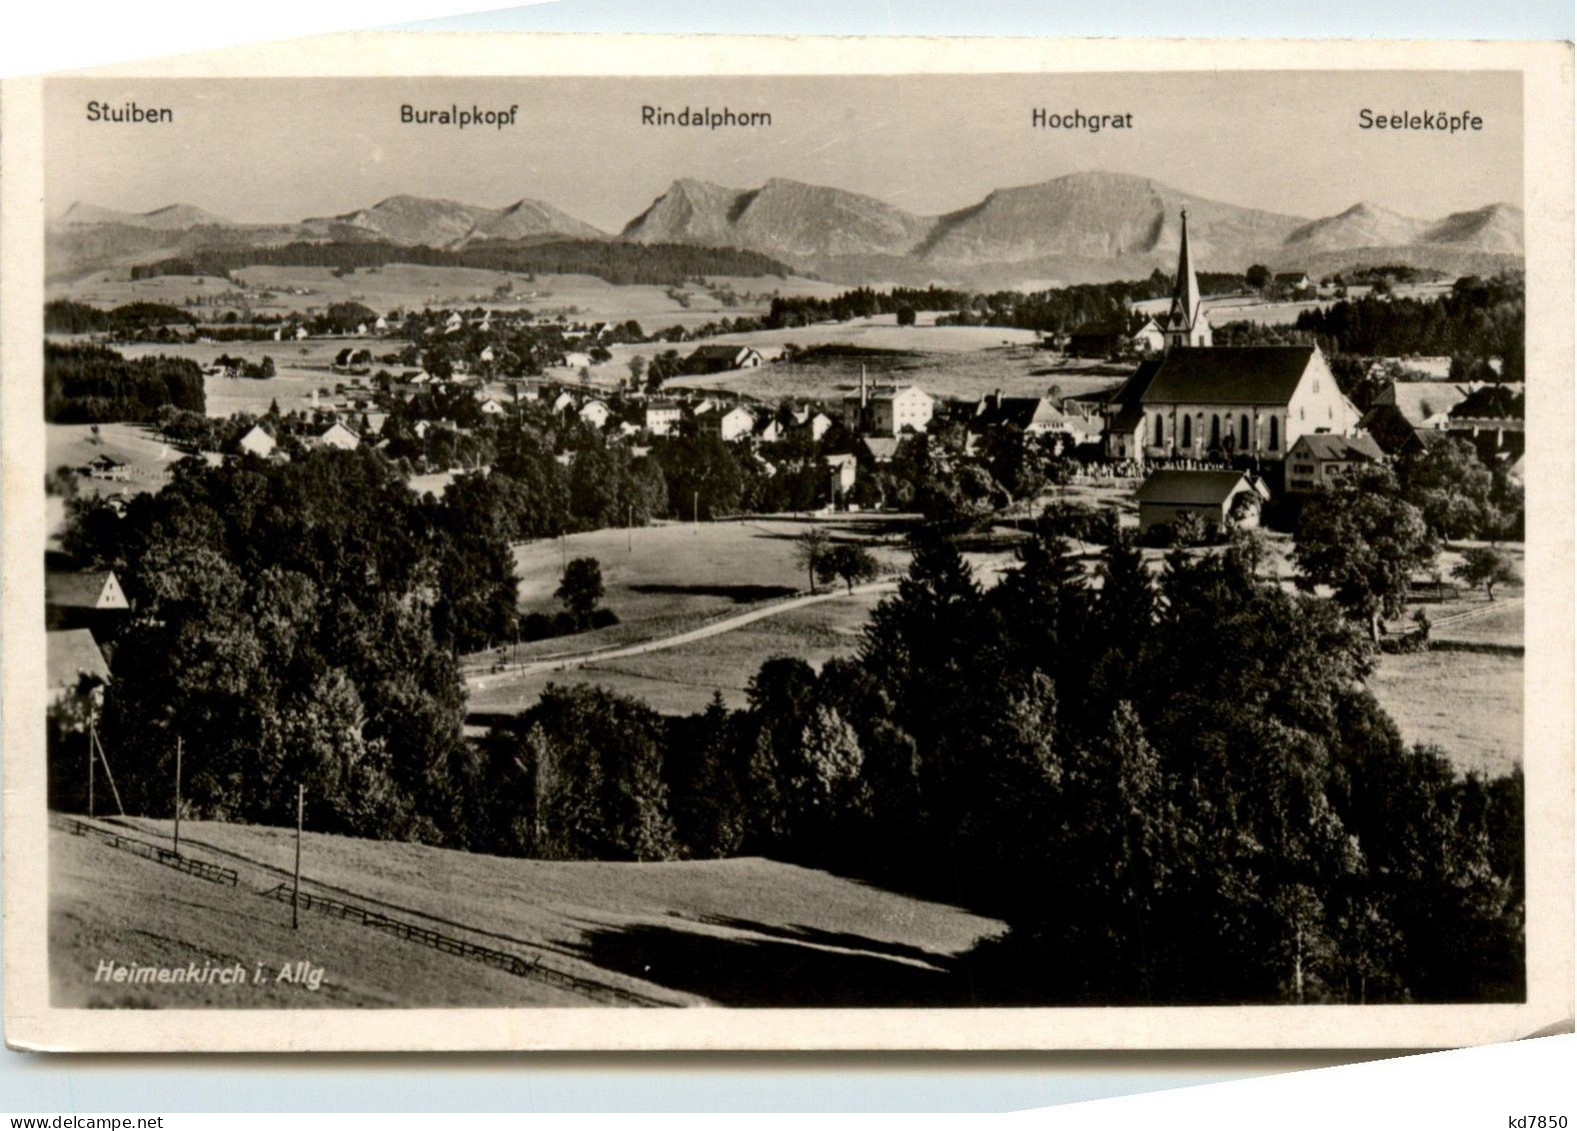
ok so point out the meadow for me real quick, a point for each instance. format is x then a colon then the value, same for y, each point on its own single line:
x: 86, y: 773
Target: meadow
x: 746, y: 931
x: 671, y: 576
x: 1021, y: 371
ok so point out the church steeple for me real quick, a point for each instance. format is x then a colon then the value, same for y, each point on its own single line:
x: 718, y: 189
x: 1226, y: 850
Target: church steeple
x: 1186, y: 324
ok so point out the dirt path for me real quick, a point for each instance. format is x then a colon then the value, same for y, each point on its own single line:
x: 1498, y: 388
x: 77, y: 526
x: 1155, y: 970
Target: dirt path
x: 483, y: 680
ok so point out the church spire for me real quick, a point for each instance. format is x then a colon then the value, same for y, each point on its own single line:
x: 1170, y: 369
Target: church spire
x: 1186, y: 324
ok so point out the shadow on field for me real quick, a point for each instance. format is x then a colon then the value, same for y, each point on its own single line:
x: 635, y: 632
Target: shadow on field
x: 739, y: 594
x: 786, y: 971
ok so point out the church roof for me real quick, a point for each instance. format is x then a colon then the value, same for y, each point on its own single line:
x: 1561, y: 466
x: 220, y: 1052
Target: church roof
x: 1267, y: 375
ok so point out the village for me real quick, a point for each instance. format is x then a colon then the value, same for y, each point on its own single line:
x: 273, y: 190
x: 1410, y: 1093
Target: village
x: 1165, y: 432
x: 530, y: 582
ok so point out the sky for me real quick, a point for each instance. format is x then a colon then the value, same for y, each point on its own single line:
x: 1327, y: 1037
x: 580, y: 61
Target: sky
x: 257, y: 150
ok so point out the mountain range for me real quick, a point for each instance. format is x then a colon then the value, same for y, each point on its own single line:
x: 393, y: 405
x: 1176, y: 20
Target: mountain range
x: 1079, y: 227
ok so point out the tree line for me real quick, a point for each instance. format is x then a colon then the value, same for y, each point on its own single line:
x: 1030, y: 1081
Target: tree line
x: 1173, y: 789
x: 1477, y: 319
x: 91, y: 384
x: 616, y: 261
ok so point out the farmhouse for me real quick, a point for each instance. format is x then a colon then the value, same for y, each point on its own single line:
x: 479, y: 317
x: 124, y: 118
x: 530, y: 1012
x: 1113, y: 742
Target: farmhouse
x: 1494, y: 412
x: 1096, y: 339
x: 721, y: 359
x: 595, y: 414
x: 83, y: 599
x: 1401, y: 414
x: 491, y: 407
x: 257, y: 442
x: 70, y: 655
x: 108, y: 467
x: 1168, y: 494
x: 1321, y: 461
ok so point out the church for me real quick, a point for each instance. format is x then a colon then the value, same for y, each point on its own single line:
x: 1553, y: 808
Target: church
x: 1206, y: 402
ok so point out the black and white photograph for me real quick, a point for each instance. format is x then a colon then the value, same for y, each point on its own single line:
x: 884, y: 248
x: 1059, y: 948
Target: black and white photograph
x: 954, y: 542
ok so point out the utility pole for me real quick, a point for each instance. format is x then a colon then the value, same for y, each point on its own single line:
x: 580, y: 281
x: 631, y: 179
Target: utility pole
x: 629, y: 529
x: 295, y: 892
x: 695, y: 512
x: 177, y: 795
x: 92, y: 757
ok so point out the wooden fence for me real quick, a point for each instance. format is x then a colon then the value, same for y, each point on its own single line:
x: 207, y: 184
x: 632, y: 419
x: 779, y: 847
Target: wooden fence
x: 203, y: 870
x: 449, y: 944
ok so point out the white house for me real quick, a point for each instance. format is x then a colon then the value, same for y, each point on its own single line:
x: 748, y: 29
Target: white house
x: 490, y: 407
x: 337, y: 436
x: 595, y: 413
x: 257, y: 442
x: 663, y: 417
x: 1320, y: 462
x: 735, y: 424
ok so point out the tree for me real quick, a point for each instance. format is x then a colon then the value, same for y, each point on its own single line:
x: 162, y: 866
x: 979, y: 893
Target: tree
x: 1258, y: 276
x: 581, y: 588
x: 1452, y: 489
x: 637, y: 365
x: 810, y: 548
x: 854, y: 564
x: 1486, y: 566
x: 906, y: 316
x: 1365, y: 544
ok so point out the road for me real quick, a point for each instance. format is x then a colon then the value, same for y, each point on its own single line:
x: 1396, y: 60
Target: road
x: 481, y: 681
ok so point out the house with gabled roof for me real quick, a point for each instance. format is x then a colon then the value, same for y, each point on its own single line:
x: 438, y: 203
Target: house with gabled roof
x: 1168, y: 494
x: 722, y: 358
x: 257, y: 442
x: 1322, y: 461
x: 337, y: 436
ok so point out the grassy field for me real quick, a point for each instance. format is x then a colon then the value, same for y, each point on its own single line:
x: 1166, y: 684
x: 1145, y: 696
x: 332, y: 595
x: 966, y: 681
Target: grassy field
x: 407, y: 286
x: 678, y: 575
x: 682, y: 680
x: 109, y: 904
x: 1468, y: 704
x: 951, y: 374
x: 735, y: 932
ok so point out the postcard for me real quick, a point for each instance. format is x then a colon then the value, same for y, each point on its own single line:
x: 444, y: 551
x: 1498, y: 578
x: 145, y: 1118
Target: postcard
x: 575, y: 542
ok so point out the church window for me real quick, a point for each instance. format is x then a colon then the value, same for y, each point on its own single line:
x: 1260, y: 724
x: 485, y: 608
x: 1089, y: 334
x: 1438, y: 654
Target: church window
x: 1275, y: 434
x: 1188, y: 431
x: 1215, y: 430
x: 1243, y: 430
x: 1160, y: 429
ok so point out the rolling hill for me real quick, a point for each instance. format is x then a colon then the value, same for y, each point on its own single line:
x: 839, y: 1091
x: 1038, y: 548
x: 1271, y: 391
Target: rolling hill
x: 743, y: 932
x: 1082, y: 227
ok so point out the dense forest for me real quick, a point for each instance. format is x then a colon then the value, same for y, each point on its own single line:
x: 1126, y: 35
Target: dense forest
x: 618, y: 262
x: 1478, y: 318
x: 62, y: 316
x: 93, y: 385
